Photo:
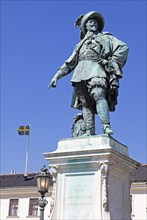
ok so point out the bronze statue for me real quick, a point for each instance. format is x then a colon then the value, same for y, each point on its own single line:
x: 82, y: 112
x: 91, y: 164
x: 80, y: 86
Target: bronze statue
x: 98, y: 60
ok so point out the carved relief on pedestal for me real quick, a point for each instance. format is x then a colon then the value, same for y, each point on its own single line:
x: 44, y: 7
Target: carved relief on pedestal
x: 53, y: 172
x: 104, y: 169
x: 104, y: 172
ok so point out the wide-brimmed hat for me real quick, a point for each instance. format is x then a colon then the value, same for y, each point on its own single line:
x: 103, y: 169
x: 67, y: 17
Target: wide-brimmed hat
x: 82, y: 20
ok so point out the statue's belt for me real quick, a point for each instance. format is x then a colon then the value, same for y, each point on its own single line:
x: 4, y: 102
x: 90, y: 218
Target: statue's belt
x: 91, y: 58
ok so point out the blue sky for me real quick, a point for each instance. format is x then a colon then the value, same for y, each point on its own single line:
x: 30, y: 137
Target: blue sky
x: 36, y: 38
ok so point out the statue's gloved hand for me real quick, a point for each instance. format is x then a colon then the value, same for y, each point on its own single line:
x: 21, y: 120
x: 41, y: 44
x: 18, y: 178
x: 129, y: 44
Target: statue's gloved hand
x: 113, y: 90
x: 53, y: 82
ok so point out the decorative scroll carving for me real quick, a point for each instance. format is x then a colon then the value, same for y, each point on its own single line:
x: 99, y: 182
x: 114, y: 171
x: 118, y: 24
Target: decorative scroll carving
x: 53, y: 172
x: 104, y: 170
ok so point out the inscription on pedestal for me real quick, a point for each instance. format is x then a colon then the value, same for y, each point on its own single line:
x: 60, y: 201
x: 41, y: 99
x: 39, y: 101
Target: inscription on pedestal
x: 80, y: 194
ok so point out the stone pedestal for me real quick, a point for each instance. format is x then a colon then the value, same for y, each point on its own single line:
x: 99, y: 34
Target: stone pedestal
x: 91, y: 179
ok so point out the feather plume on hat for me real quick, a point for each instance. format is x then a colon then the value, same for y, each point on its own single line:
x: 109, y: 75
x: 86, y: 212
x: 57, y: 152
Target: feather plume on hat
x: 78, y: 21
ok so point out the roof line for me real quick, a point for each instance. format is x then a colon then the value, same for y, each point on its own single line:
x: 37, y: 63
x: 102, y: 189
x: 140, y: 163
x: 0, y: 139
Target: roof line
x: 18, y: 174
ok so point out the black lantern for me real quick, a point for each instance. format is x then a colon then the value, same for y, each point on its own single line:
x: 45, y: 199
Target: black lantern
x: 43, y: 186
x: 43, y: 181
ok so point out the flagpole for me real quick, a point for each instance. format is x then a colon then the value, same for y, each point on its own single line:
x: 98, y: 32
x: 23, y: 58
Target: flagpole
x: 27, y: 154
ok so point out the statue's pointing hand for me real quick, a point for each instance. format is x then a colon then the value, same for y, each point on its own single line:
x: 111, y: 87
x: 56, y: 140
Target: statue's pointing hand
x: 56, y: 77
x: 53, y: 82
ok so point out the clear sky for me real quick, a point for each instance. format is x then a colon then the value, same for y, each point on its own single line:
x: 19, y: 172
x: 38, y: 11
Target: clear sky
x: 36, y: 38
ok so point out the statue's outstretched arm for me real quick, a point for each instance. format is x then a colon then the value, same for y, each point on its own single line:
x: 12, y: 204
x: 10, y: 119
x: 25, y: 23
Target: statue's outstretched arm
x: 64, y: 70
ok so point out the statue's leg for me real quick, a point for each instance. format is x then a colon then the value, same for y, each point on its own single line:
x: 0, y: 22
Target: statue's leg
x: 88, y: 116
x: 99, y: 94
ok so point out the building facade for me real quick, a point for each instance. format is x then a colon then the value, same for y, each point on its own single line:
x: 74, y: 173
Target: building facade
x: 139, y: 194
x: 19, y: 197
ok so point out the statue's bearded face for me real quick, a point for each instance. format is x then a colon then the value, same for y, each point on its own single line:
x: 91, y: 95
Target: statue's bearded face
x: 92, y: 25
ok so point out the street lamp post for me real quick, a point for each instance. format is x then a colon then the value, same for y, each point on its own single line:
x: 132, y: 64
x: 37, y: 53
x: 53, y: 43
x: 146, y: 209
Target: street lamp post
x: 43, y: 186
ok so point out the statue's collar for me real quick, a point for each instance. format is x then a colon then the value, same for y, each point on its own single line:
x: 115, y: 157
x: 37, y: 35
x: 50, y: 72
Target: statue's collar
x: 90, y: 34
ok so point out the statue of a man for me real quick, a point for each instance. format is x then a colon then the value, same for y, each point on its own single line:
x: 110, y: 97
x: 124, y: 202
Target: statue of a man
x: 98, y: 60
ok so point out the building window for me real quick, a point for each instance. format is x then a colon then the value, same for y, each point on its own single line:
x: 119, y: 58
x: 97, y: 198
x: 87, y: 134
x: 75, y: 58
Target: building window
x: 13, y: 207
x: 33, y: 207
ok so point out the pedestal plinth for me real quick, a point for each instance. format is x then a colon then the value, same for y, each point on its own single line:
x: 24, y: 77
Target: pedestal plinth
x: 91, y: 179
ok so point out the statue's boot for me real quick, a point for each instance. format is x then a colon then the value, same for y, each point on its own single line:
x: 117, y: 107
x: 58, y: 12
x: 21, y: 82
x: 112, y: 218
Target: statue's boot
x: 90, y: 131
x: 107, y: 129
x: 103, y: 111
